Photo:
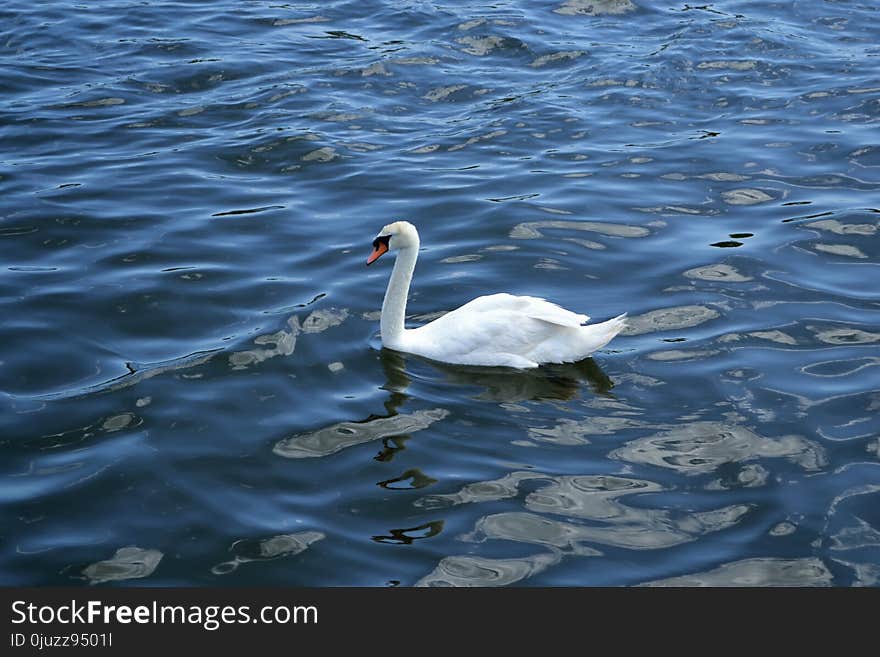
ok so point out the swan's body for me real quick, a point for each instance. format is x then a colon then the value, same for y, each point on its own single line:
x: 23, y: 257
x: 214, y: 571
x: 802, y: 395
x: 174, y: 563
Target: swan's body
x: 494, y: 330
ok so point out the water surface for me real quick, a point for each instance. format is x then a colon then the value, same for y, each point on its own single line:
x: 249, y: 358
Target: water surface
x: 192, y: 389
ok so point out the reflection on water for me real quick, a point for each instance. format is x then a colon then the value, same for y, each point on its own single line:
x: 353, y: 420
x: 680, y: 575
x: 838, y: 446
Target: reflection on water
x: 578, y: 432
x: 283, y: 342
x: 592, y: 498
x: 478, y: 571
x: 341, y: 435
x: 758, y: 572
x: 652, y: 530
x: 668, y: 319
x: 413, y: 478
x: 595, y: 498
x: 480, y: 491
x: 532, y: 230
x: 853, y: 530
x: 407, y: 536
x: 284, y: 545
x: 702, y: 447
x: 561, y: 381
x: 595, y: 7
x: 719, y: 272
x: 532, y: 529
x: 128, y: 563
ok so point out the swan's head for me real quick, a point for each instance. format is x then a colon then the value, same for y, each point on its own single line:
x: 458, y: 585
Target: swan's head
x: 399, y: 235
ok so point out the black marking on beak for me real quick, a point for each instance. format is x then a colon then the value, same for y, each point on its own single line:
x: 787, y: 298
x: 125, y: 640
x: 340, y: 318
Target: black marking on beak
x: 380, y: 246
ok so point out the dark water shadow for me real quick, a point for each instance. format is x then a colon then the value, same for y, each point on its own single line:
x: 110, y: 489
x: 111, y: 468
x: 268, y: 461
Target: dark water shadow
x: 503, y: 384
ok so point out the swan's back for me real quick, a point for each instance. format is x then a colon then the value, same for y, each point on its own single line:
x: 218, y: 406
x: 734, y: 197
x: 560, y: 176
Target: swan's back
x: 513, y: 331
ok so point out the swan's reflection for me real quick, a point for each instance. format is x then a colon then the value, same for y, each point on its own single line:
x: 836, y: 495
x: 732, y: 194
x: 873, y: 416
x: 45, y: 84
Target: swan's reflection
x: 503, y: 384
x: 559, y: 382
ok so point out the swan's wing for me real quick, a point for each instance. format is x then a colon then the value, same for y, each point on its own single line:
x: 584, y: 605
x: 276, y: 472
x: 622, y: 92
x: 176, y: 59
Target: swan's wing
x: 533, y: 307
x: 500, y: 329
x: 486, y: 337
x: 550, y: 312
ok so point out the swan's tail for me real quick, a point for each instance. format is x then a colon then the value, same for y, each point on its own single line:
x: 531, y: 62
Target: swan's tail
x: 598, y: 335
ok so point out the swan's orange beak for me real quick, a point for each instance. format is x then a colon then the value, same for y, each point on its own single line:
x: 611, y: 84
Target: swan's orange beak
x: 380, y: 246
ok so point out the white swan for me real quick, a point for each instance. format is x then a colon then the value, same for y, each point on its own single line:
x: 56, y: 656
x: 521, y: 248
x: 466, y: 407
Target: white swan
x: 494, y: 330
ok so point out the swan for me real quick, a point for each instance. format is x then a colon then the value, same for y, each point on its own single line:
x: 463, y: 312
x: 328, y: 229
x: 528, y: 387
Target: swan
x: 495, y: 330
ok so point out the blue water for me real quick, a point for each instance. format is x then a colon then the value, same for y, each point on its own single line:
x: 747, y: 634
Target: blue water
x: 192, y: 388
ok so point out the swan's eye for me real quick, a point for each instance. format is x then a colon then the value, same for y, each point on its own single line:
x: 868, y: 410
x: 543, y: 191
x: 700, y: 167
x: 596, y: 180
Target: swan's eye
x: 382, y: 239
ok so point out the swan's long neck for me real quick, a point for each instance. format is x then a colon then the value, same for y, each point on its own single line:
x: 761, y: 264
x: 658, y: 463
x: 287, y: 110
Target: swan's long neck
x: 394, y: 306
